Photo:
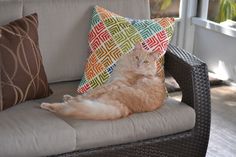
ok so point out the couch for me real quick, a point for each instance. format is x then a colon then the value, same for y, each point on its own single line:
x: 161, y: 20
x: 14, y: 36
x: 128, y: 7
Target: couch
x: 179, y: 128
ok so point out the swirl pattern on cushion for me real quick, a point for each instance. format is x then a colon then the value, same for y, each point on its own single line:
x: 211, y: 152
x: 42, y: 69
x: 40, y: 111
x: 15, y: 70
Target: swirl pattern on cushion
x: 22, y: 72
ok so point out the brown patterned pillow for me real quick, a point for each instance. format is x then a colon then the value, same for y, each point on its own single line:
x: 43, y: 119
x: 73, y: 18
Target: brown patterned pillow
x: 22, y: 72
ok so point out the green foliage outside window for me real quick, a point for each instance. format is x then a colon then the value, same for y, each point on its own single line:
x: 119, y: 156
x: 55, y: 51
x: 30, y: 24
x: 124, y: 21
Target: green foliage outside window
x: 227, y: 10
x: 164, y: 8
x: 165, y: 4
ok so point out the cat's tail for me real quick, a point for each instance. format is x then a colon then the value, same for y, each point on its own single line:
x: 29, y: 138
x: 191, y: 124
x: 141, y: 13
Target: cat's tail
x: 87, y: 109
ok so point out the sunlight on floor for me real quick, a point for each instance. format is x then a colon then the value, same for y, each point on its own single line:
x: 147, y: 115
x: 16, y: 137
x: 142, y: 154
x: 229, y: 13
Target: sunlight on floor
x: 231, y: 103
x: 222, y: 141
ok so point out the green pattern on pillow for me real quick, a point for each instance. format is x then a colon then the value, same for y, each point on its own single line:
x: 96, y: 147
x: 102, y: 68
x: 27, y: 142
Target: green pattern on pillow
x: 111, y: 36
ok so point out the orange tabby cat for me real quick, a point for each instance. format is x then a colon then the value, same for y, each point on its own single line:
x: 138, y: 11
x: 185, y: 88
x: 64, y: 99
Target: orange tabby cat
x: 133, y: 87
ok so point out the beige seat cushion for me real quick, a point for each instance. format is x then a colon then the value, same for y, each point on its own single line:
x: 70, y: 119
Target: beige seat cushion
x: 27, y: 130
x: 173, y: 117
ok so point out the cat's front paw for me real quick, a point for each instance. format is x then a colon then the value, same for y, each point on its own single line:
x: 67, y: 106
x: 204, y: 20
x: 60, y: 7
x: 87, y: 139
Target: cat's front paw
x: 67, y: 97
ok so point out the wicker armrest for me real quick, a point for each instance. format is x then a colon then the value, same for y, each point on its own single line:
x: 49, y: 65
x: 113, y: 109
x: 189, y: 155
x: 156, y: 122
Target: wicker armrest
x: 192, y: 77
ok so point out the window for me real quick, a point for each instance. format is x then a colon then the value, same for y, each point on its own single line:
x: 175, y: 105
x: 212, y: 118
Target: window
x: 222, y: 10
x: 164, y: 8
x: 217, y: 15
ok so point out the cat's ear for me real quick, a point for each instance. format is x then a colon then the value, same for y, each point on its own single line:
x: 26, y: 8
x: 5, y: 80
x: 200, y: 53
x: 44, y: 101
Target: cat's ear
x: 138, y: 46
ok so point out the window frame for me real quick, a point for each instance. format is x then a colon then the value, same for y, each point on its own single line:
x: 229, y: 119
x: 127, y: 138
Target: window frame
x: 202, y: 21
x: 188, y: 9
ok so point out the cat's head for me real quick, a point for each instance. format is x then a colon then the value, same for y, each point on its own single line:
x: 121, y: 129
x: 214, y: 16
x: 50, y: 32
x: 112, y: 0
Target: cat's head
x: 140, y: 61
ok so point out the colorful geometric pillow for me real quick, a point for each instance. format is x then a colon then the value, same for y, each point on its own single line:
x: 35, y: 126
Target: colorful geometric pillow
x: 111, y: 36
x: 22, y: 75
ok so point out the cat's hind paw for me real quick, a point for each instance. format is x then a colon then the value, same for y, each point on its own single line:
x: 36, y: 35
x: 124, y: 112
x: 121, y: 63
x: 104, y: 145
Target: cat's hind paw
x: 47, y: 106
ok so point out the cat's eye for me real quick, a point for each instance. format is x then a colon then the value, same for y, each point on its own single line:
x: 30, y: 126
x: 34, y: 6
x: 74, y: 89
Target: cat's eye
x: 137, y: 57
x: 146, y: 61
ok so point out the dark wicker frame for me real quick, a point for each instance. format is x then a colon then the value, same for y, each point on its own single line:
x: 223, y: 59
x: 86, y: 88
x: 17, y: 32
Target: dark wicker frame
x: 192, y: 76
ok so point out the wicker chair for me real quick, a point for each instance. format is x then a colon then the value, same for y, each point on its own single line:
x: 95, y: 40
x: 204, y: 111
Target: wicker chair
x: 192, y: 76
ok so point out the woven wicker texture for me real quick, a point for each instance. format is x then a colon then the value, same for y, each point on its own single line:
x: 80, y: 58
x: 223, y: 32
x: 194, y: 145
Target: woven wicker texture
x: 191, y: 74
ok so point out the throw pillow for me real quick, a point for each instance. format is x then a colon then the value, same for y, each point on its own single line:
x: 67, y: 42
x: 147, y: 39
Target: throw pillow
x: 112, y: 35
x: 22, y: 72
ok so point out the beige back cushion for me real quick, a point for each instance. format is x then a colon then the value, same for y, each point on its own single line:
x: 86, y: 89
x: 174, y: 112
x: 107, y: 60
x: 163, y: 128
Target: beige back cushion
x: 63, y: 29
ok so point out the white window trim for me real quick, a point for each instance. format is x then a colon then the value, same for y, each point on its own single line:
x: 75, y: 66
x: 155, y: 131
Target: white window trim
x: 177, y: 19
x: 202, y: 21
x: 188, y: 9
x: 185, y: 32
x: 214, y: 26
x: 181, y: 23
x: 203, y: 8
x: 184, y: 36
